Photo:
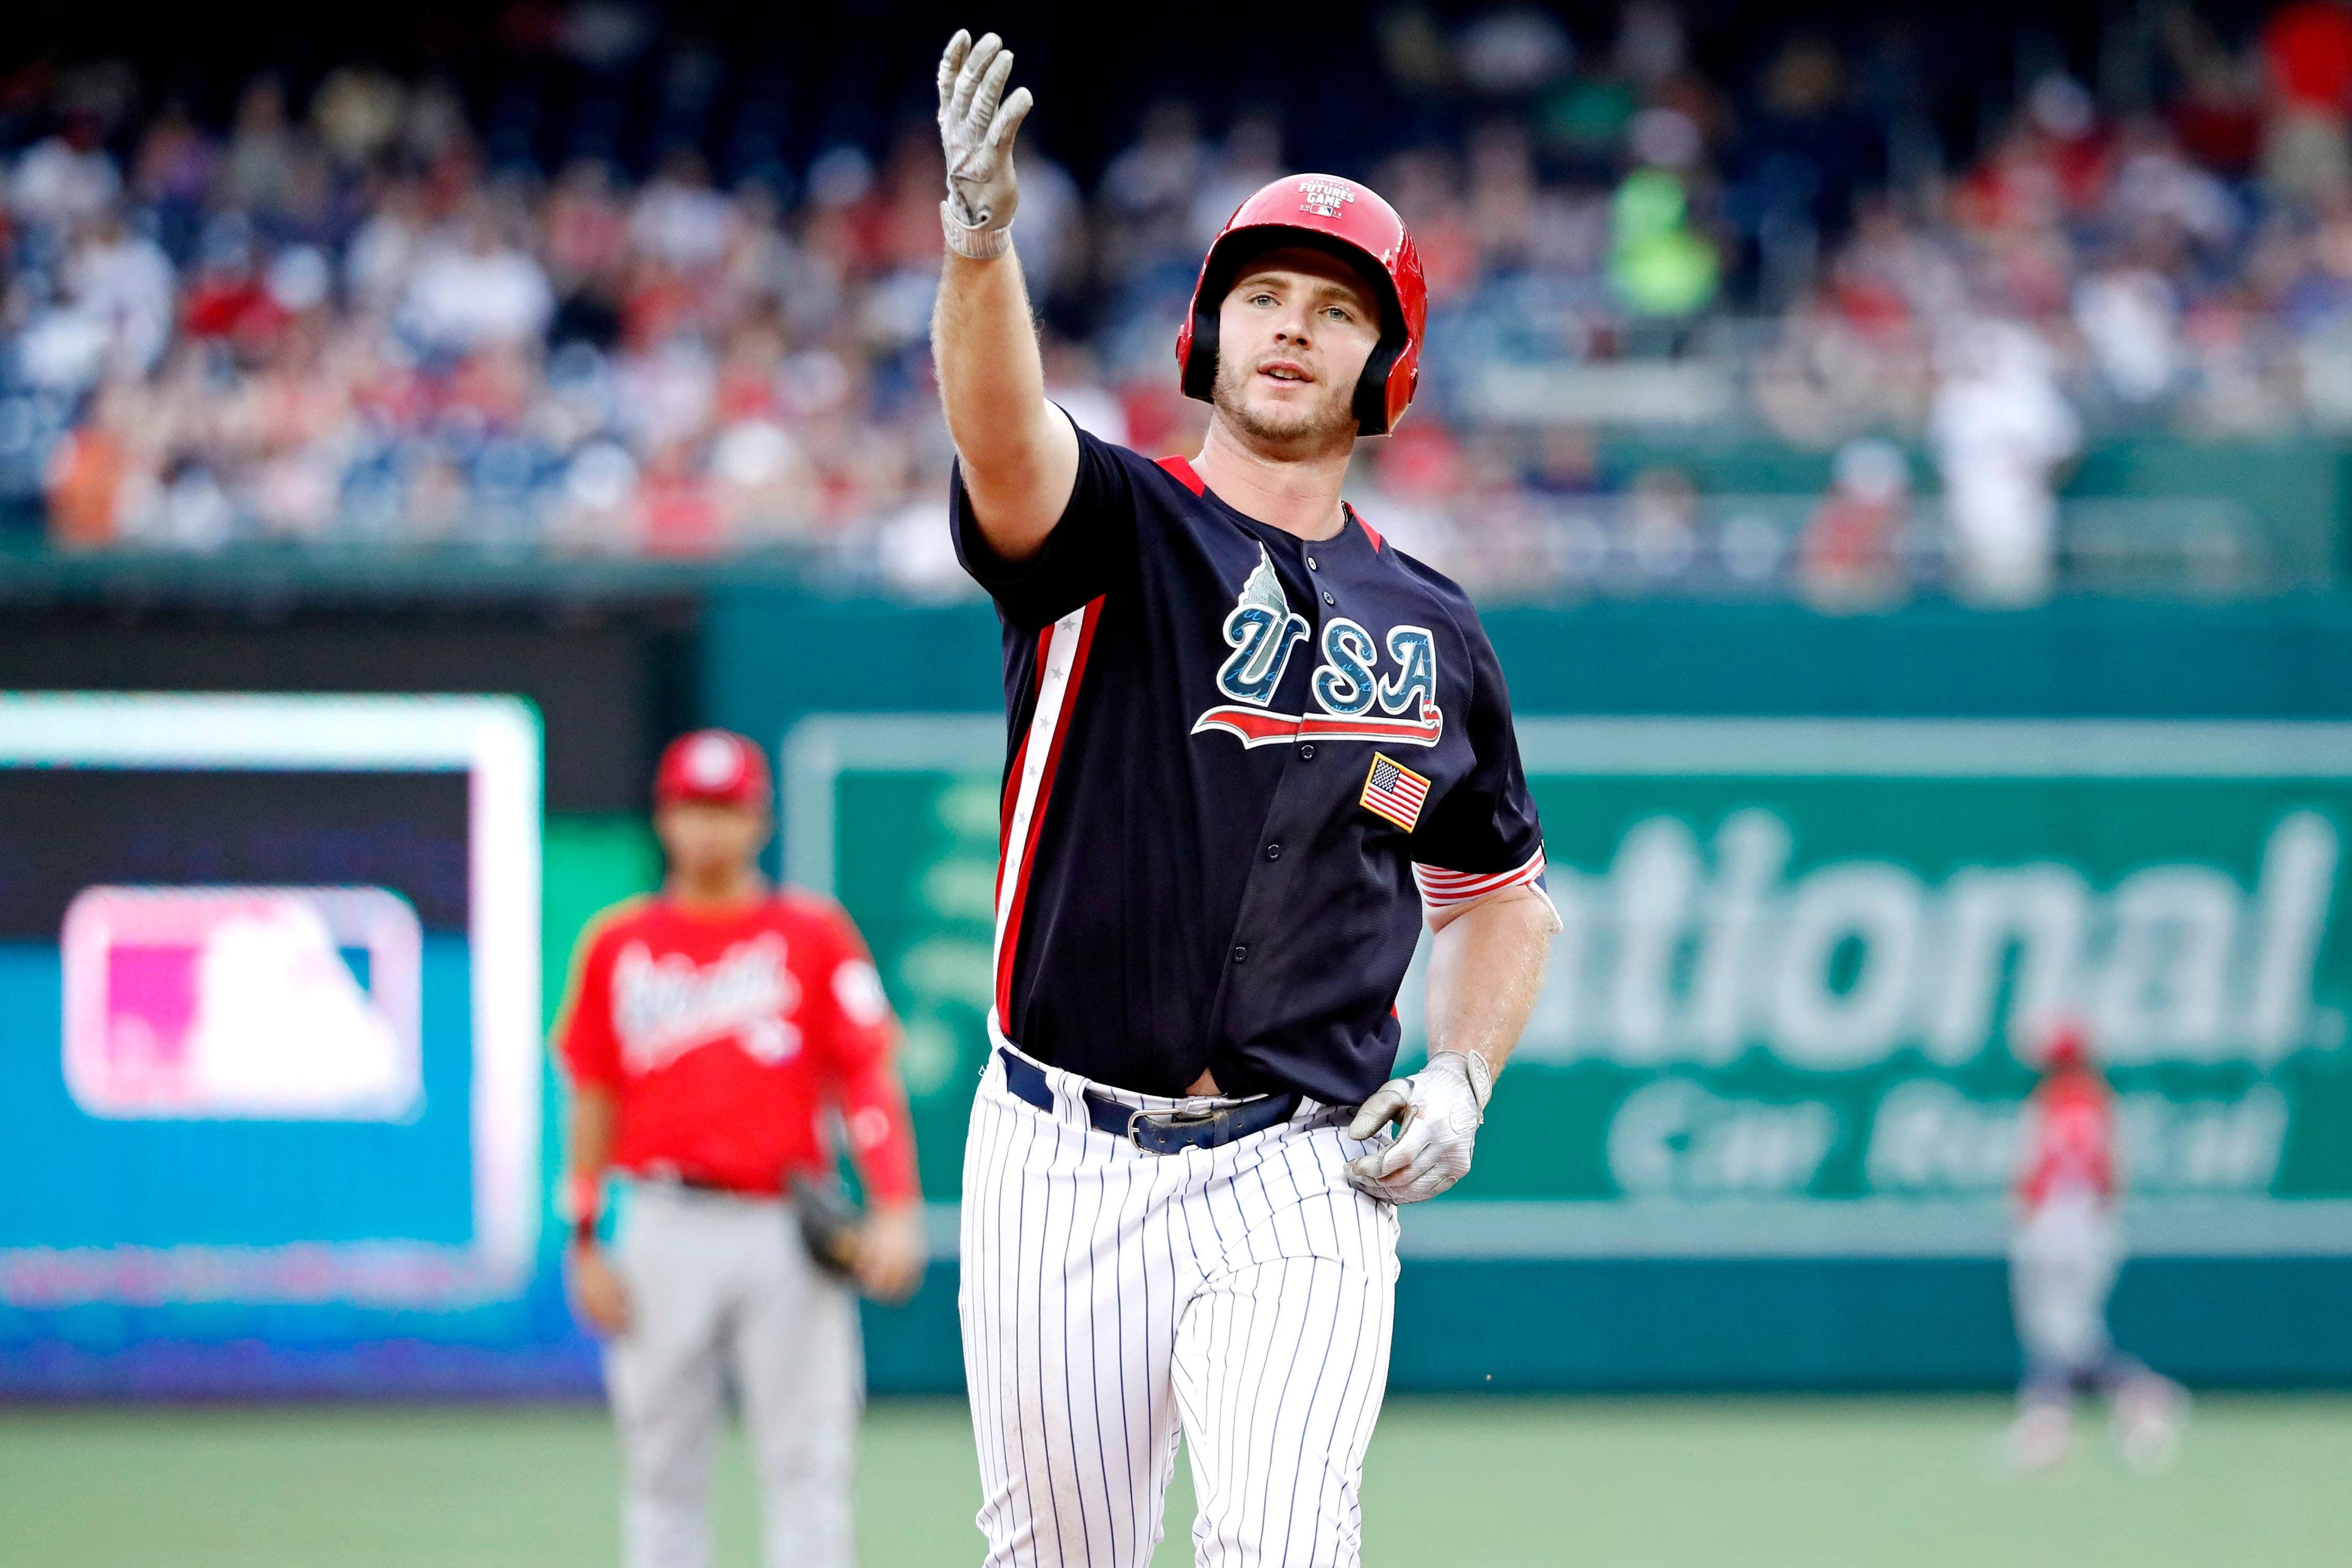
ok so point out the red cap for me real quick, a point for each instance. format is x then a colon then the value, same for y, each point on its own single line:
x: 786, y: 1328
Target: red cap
x: 715, y: 766
x: 2065, y: 1048
x: 1350, y: 220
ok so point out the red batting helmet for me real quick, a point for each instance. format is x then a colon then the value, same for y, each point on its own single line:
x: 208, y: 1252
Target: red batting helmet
x: 715, y: 766
x: 2065, y: 1048
x: 1353, y: 223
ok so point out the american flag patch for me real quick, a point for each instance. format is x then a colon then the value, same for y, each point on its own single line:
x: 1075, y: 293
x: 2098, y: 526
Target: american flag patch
x: 1394, y: 792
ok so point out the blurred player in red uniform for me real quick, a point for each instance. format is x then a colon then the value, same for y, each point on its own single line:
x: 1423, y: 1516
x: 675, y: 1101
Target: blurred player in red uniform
x: 710, y: 1031
x: 2062, y: 1262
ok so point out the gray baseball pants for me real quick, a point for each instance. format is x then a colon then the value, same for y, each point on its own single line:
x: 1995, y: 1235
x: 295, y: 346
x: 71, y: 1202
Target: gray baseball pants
x: 2062, y: 1262
x: 723, y: 1292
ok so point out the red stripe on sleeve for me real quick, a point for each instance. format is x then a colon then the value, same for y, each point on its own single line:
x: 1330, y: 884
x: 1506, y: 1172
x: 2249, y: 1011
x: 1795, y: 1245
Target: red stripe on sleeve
x: 1441, y: 888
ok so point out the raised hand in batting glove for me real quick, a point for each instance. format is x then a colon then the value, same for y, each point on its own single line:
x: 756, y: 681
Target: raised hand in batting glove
x: 1441, y: 1107
x: 977, y: 124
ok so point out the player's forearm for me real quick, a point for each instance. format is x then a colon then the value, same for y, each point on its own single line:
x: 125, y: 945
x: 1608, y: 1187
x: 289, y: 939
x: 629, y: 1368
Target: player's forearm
x: 1486, y: 964
x: 992, y: 377
x: 596, y: 1128
x: 592, y: 1134
x: 1020, y: 456
x: 881, y: 1136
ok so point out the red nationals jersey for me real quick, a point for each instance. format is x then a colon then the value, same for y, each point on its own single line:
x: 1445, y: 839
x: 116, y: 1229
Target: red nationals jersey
x: 2071, y: 1139
x: 725, y: 1035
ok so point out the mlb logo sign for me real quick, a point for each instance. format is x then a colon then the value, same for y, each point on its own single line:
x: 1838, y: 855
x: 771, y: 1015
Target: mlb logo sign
x: 254, y: 1002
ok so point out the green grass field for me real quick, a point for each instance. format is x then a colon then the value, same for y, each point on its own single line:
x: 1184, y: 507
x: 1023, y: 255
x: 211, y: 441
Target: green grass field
x: 1451, y: 1484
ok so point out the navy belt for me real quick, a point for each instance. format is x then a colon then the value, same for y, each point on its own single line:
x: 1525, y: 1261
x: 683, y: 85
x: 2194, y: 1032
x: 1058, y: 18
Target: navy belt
x: 1155, y: 1131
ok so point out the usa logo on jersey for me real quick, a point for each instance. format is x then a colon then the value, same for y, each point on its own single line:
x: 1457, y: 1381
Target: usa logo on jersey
x: 1263, y: 630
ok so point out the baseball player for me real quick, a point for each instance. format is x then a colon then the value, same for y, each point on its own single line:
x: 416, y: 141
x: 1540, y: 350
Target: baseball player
x: 2062, y: 1262
x: 1252, y: 748
x: 708, y: 1031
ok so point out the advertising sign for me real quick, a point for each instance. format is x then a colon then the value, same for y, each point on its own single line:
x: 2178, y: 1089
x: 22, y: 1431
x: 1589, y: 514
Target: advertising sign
x: 269, y: 1004
x: 226, y: 1002
x: 1803, y: 968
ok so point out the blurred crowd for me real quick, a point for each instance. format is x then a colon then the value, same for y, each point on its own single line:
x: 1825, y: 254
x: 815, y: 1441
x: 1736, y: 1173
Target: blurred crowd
x: 354, y: 311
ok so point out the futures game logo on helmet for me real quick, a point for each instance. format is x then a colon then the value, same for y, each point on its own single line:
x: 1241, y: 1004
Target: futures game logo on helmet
x: 1323, y: 197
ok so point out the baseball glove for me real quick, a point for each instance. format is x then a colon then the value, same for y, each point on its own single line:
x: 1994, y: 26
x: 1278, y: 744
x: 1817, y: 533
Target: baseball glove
x: 829, y: 1225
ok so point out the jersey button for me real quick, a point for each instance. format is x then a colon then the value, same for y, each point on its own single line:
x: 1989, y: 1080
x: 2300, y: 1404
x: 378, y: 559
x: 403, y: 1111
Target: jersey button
x: 1307, y: 753
x: 1274, y: 851
x: 1310, y: 564
x: 1329, y: 600
x: 1240, y: 953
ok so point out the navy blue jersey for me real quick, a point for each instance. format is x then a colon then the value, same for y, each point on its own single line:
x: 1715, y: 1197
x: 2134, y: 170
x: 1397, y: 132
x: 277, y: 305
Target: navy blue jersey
x: 1239, y: 762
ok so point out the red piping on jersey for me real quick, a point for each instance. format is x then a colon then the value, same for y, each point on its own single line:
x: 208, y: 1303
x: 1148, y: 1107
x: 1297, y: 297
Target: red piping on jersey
x: 1193, y: 482
x: 1012, y: 943
x: 1256, y: 727
x: 1184, y: 475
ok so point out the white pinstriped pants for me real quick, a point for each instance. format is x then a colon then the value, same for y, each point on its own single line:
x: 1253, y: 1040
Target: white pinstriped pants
x: 1108, y: 1295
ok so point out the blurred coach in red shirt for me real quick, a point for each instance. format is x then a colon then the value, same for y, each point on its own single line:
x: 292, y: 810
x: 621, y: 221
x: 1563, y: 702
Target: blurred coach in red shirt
x: 710, y: 1031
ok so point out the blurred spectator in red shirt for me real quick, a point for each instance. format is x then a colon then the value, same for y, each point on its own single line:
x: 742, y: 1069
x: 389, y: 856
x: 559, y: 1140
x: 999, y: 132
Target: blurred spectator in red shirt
x: 1846, y: 557
x: 2307, y: 45
x: 229, y: 300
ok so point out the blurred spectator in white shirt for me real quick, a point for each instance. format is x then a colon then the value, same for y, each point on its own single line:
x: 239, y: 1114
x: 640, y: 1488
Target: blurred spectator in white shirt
x: 67, y: 179
x: 384, y: 254
x: 125, y: 282
x: 2000, y: 428
x: 2155, y: 186
x: 2130, y: 316
x: 679, y: 217
x: 473, y: 290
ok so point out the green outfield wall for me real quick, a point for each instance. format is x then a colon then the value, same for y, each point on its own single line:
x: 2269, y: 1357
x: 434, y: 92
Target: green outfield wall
x: 1819, y: 874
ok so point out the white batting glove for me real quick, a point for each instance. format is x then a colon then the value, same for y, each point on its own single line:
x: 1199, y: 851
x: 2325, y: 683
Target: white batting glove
x: 977, y: 124
x: 1442, y: 1106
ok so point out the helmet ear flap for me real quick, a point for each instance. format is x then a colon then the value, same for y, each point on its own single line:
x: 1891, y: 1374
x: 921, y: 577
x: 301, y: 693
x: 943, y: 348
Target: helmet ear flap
x: 1200, y: 380
x: 1372, y: 402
